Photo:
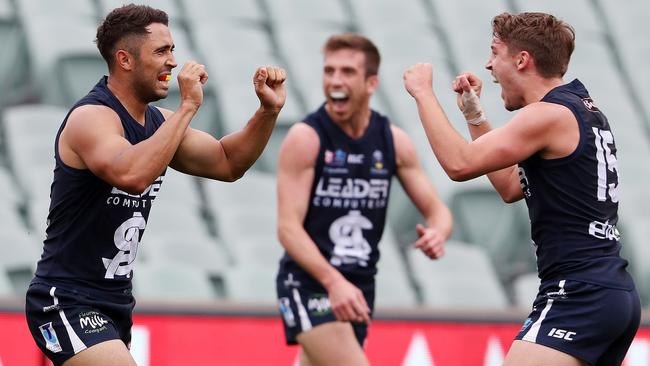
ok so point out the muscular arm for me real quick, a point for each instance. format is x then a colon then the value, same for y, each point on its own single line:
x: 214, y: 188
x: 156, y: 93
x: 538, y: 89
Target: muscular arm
x: 93, y: 139
x: 295, y: 177
x: 542, y: 128
x: 230, y: 157
x: 419, y: 188
x: 506, y: 180
x: 468, y: 90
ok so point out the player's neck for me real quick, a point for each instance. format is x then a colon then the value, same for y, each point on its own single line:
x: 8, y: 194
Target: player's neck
x: 355, y: 126
x: 540, y: 87
x: 125, y: 94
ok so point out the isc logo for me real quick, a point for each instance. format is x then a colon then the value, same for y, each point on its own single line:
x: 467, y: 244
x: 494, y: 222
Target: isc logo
x: 561, y: 333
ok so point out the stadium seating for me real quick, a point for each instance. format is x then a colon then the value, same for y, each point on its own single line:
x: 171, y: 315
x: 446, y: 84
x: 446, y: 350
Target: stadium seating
x: 449, y: 282
x: 172, y: 281
x: 14, y: 68
x: 634, y: 239
x: 44, y: 32
x: 18, y: 262
x: 482, y: 218
x: 208, y: 11
x: 314, y: 14
x: 6, y: 290
x: 172, y: 8
x: 31, y: 130
x: 394, y: 286
x: 525, y: 290
x: 210, y: 240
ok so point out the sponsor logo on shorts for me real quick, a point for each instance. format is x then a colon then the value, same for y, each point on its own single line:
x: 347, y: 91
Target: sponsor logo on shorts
x: 562, y: 334
x: 92, y: 322
x: 319, y: 305
x: 527, y: 322
x: 287, y: 313
x: 51, y: 340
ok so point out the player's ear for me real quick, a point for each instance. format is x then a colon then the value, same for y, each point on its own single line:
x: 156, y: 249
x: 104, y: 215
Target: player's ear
x: 372, y: 83
x: 523, y: 59
x: 124, y: 59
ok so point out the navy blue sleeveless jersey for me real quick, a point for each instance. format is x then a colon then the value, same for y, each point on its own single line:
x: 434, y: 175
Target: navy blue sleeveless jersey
x: 94, y: 229
x: 573, y: 201
x: 349, y: 197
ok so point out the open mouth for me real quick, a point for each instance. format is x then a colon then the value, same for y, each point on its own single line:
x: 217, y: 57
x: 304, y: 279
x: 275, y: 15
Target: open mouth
x: 165, y: 77
x: 339, y: 96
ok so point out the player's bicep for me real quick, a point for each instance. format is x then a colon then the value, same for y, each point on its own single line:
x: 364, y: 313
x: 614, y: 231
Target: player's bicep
x: 522, y: 137
x: 411, y: 174
x: 200, y: 154
x: 95, y: 135
x: 295, y: 173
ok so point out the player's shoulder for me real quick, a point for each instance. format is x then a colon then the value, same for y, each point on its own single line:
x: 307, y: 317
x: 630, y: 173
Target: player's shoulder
x: 93, y: 117
x: 302, y: 130
x: 301, y: 142
x: 544, y: 114
x: 164, y: 111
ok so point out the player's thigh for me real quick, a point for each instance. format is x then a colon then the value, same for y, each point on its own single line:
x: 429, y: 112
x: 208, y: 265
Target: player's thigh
x: 524, y: 353
x: 109, y: 353
x: 332, y: 343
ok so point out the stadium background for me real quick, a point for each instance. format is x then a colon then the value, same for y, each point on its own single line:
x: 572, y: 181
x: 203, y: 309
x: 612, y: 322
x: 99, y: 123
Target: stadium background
x: 205, y: 273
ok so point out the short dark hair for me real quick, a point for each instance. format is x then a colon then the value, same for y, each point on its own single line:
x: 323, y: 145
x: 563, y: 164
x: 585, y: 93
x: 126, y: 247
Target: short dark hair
x: 548, y: 39
x: 356, y: 42
x: 129, y: 21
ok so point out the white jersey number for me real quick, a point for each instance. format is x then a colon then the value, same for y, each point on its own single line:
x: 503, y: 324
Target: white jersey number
x: 606, y: 163
x: 126, y: 238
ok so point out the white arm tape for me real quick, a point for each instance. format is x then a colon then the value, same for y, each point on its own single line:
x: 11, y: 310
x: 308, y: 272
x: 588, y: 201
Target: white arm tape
x: 472, y: 108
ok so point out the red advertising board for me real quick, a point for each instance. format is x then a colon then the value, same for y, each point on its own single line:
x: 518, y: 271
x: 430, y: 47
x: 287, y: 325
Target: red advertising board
x: 165, y: 340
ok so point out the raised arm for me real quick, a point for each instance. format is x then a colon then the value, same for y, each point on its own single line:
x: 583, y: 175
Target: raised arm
x: 230, y: 157
x: 531, y: 131
x: 421, y: 191
x: 468, y: 91
x: 93, y: 139
x: 295, y: 176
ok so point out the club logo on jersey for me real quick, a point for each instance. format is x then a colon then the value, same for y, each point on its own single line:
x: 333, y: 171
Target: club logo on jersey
x: 126, y: 238
x: 589, y: 103
x: 336, y: 158
x: 378, y: 166
x: 92, y: 322
x: 285, y: 309
x: 523, y: 182
x: 350, y: 247
x: 319, y: 305
x: 51, y: 340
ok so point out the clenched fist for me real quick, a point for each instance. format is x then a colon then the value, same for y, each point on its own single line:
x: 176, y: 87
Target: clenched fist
x: 190, y: 81
x: 418, y: 79
x: 269, y: 87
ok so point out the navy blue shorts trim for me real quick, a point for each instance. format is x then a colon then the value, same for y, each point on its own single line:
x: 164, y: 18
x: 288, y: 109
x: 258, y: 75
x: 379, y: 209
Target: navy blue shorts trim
x: 64, y: 322
x: 593, y: 323
x: 305, y: 307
